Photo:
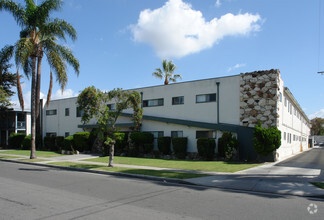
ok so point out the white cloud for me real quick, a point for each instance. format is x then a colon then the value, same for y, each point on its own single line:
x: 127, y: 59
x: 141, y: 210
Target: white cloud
x: 319, y: 114
x: 218, y: 3
x: 67, y: 93
x: 176, y: 30
x: 57, y: 95
x: 236, y: 66
x: 27, y: 97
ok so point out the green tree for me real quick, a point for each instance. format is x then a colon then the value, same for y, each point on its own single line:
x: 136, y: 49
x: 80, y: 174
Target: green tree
x: 317, y: 126
x: 93, y: 103
x: 7, y: 79
x: 38, y: 37
x: 167, y: 71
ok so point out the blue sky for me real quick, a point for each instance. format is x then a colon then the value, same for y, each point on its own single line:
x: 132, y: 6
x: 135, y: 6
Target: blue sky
x: 120, y: 43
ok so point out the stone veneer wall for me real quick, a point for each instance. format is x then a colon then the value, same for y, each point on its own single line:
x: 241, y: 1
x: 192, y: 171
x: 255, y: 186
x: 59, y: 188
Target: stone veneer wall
x: 259, y: 97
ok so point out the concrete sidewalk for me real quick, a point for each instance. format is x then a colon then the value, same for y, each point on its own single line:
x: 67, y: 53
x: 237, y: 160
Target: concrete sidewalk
x: 267, y: 178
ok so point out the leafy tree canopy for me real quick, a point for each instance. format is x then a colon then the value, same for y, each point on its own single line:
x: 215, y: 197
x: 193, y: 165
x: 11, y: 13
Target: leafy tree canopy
x: 317, y: 126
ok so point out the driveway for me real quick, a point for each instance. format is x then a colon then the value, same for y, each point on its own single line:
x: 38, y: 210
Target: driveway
x: 292, y: 176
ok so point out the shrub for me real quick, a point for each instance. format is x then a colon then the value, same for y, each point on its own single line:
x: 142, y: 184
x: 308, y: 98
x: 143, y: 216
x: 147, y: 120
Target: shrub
x: 164, y: 145
x: 140, y: 139
x: 15, y: 140
x: 180, y: 147
x: 59, y: 142
x: 26, y: 144
x: 266, y: 140
x: 227, y: 145
x: 68, y: 143
x: 49, y: 143
x: 92, y: 138
x: 81, y: 141
x: 206, y: 148
x: 148, y: 147
x: 121, y: 142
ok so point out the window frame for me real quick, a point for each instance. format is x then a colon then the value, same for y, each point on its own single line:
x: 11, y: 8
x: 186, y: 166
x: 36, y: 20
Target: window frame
x: 49, y: 112
x: 160, y: 102
x: 181, y: 98
x: 67, y: 111
x: 207, y: 98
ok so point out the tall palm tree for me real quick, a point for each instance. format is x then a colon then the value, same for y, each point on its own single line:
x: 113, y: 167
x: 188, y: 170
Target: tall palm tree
x: 167, y: 72
x: 39, y: 37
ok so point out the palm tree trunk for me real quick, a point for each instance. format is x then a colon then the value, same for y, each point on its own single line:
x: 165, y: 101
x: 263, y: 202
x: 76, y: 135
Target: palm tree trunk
x: 33, y: 112
x: 166, y: 81
x: 38, y: 85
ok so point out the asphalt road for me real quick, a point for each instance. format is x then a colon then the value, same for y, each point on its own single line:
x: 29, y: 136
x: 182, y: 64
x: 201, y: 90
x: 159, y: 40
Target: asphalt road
x: 313, y: 159
x: 33, y: 192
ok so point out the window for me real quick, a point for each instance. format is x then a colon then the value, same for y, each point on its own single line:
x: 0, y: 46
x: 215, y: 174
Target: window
x: 284, y: 135
x: 51, y: 112
x: 51, y: 134
x: 176, y: 134
x: 205, y: 134
x: 112, y: 107
x: 79, y: 112
x: 280, y: 96
x: 177, y: 100
x: 67, y: 134
x: 153, y: 102
x: 206, y: 98
x: 285, y: 102
x: 157, y: 134
x: 67, y: 112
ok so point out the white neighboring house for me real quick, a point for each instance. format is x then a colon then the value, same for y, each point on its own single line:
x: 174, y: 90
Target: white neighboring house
x: 205, y: 108
x: 14, y: 121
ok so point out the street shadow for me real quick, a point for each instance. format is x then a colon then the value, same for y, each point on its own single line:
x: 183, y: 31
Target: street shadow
x: 33, y: 169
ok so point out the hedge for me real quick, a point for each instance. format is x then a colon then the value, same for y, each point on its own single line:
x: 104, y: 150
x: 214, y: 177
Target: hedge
x: 121, y: 142
x: 143, y: 142
x: 59, y: 143
x: 26, y: 144
x: 81, y: 141
x: 68, y: 143
x: 15, y: 140
x: 206, y: 148
x: 266, y: 140
x: 49, y: 143
x: 164, y: 145
x: 180, y: 147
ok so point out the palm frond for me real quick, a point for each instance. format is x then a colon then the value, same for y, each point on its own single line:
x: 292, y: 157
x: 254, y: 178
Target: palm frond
x: 44, y: 9
x: 59, y: 28
x: 6, y: 54
x: 59, y: 67
x: 158, y: 73
x: 49, y: 94
x: 68, y: 56
x: 15, y: 9
x: 19, y: 92
x: 177, y: 76
x: 23, y: 50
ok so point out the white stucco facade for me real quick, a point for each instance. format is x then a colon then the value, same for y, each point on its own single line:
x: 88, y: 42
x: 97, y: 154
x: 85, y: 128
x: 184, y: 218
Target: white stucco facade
x: 188, y: 108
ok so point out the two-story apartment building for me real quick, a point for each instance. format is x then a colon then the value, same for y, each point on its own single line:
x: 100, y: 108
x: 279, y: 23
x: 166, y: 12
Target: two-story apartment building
x: 205, y: 108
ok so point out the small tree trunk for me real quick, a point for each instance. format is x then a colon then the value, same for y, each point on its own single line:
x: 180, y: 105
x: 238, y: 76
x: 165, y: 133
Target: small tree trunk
x: 111, y: 155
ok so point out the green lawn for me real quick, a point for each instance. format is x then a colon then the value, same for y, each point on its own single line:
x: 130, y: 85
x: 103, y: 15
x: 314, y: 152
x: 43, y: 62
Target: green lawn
x: 318, y: 184
x: 215, y: 166
x: 27, y: 153
x: 158, y: 173
x: 8, y: 157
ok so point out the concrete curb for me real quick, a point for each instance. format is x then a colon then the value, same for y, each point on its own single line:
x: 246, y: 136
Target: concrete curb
x: 138, y: 176
x: 160, y: 179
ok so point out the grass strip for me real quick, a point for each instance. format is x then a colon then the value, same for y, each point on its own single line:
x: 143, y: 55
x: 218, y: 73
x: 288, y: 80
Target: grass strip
x: 27, y: 153
x: 147, y: 172
x: 8, y: 157
x: 214, y: 166
x: 318, y: 184
x: 32, y: 160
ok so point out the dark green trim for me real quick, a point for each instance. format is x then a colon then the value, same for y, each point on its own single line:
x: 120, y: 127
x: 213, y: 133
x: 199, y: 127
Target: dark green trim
x: 120, y: 125
x: 225, y: 127
x: 217, y: 99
